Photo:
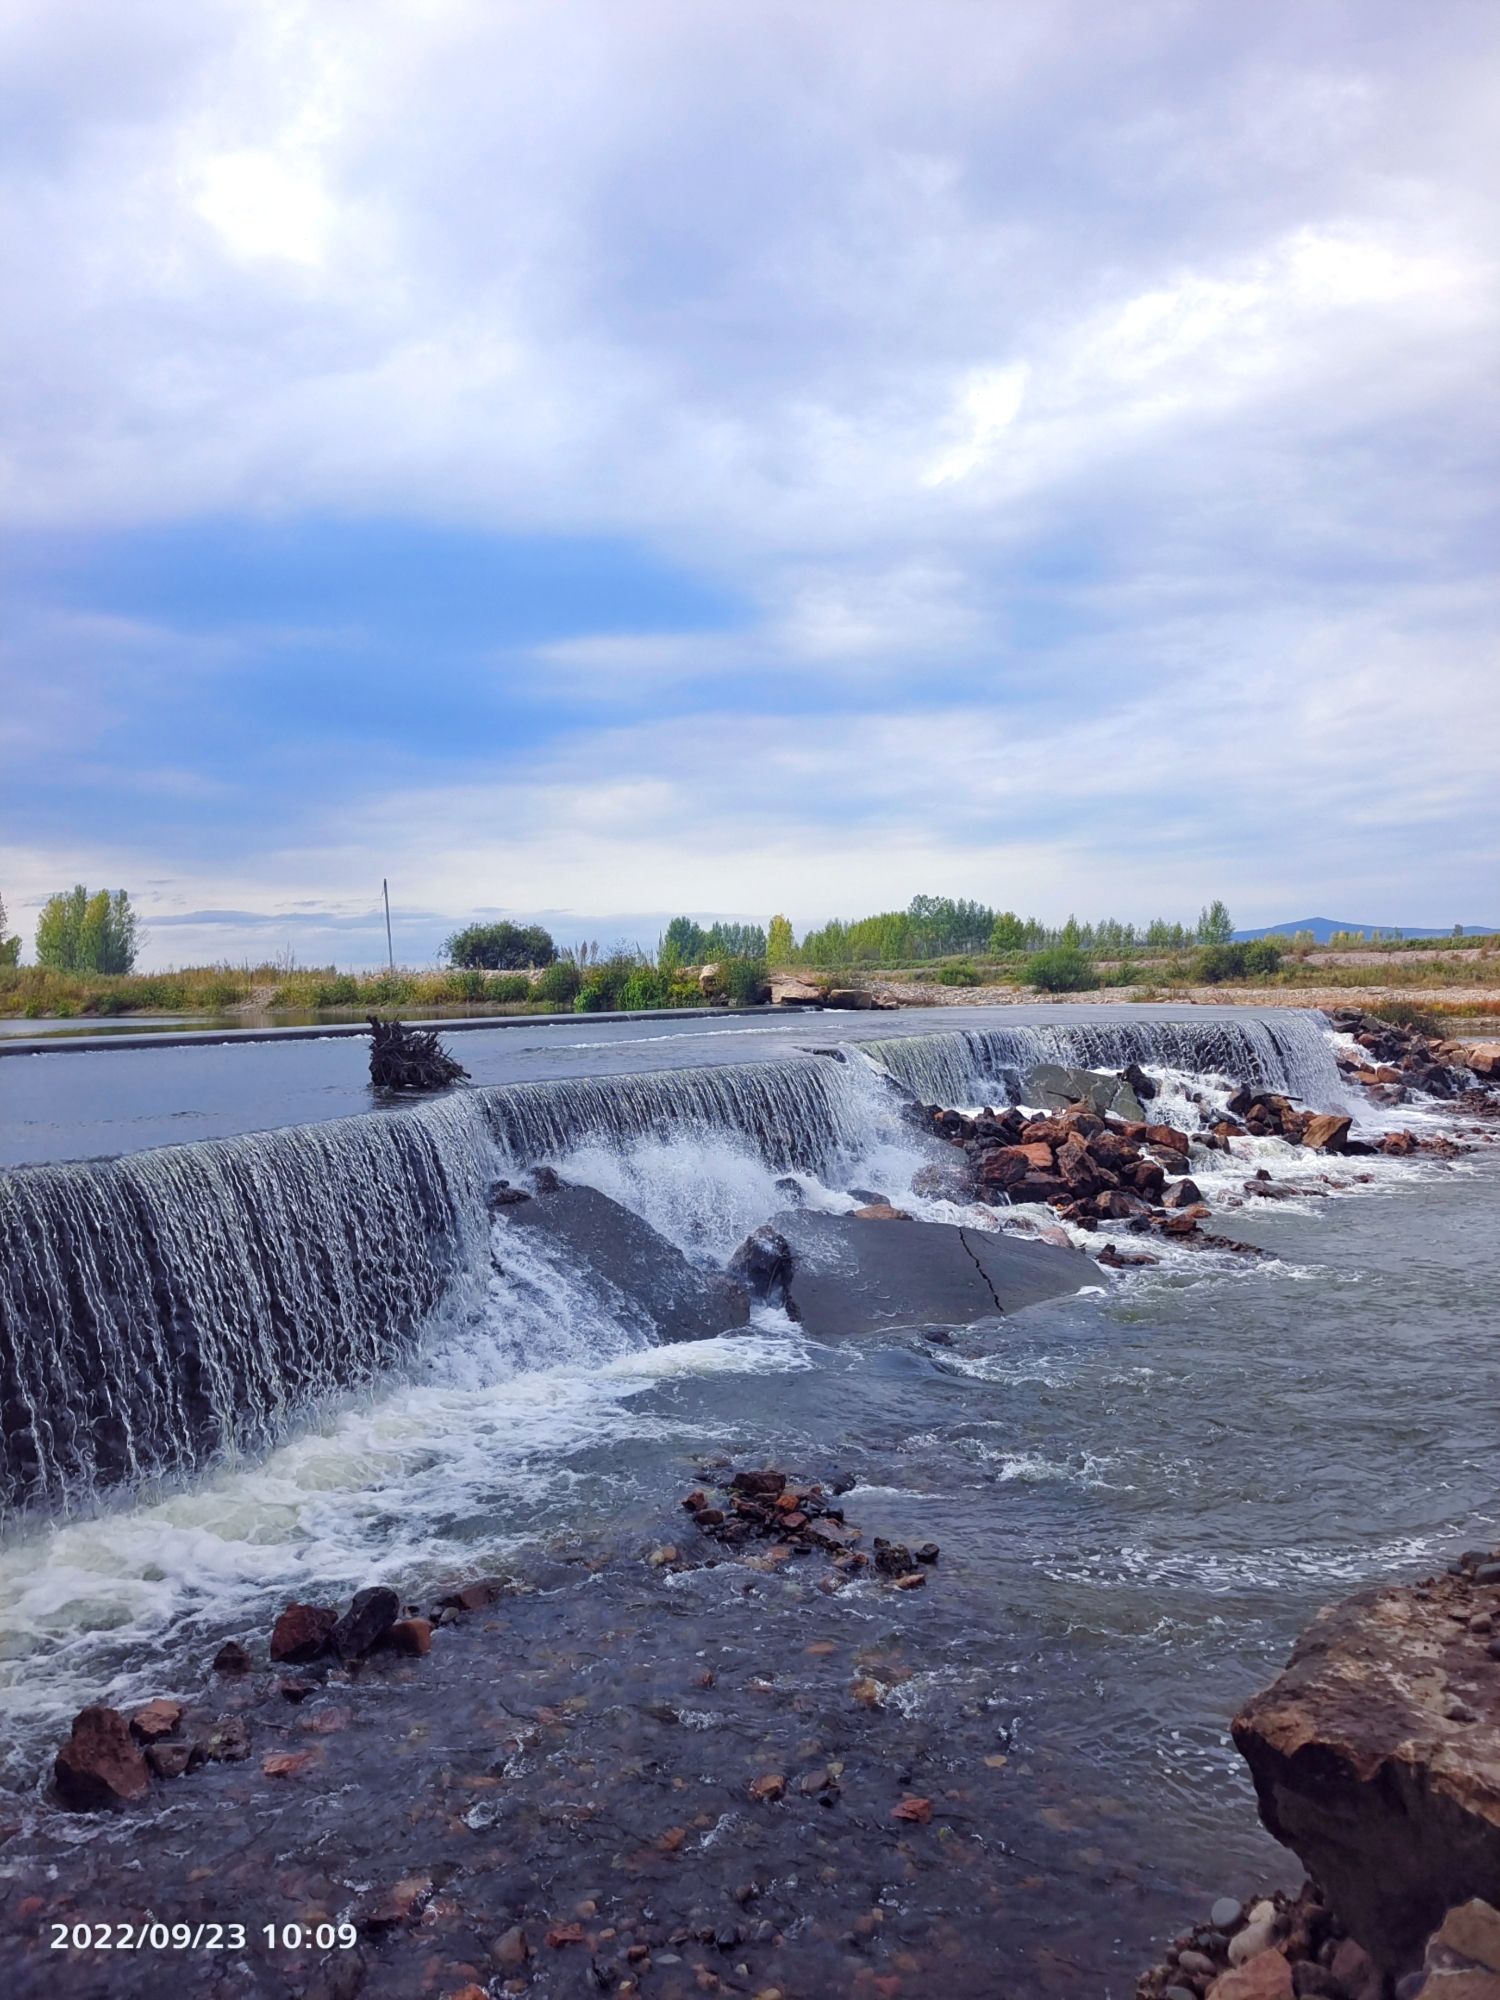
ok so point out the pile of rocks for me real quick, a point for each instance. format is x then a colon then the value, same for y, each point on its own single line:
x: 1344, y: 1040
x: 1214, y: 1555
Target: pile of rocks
x: 1394, y: 1061
x: 1090, y: 1166
x: 764, y: 1506
x: 110, y: 1759
x: 1273, y: 1948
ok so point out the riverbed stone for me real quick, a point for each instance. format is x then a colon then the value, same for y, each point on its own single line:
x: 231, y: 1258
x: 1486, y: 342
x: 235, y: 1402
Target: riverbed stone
x: 1267, y: 1976
x: 302, y: 1632
x: 100, y: 1768
x: 366, y: 1622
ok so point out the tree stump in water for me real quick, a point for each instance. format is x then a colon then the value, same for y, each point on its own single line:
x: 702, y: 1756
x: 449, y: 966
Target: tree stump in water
x: 403, y: 1058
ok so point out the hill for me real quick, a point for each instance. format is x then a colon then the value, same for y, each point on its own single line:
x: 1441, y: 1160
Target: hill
x: 1323, y: 928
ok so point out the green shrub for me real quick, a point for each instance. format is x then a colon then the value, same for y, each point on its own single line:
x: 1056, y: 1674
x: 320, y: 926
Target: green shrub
x: 1066, y: 968
x: 1214, y: 963
x: 1262, y: 955
x: 509, y: 986
x: 957, y: 975
x: 559, y: 985
x: 645, y: 988
x: 743, y: 979
x: 1406, y: 1014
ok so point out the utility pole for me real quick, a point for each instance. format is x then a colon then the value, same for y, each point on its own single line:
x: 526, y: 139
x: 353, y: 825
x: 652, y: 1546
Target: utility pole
x: 385, y: 890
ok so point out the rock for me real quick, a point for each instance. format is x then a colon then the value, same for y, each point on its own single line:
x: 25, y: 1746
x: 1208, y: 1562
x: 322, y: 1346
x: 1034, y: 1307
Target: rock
x: 765, y: 1265
x: 410, y: 1635
x: 1391, y: 1804
x: 1225, y: 1913
x: 1484, y: 1059
x: 1055, y: 1087
x: 848, y: 1279
x: 1257, y: 1936
x: 767, y: 1485
x: 366, y: 1622
x: 1169, y: 1138
x: 1354, y: 1973
x: 156, y: 1719
x: 1467, y: 1936
x: 231, y: 1658
x: 475, y: 1595
x: 1267, y: 1976
x: 881, y: 1211
x: 789, y: 991
x: 302, y: 1632
x: 100, y: 1767
x: 503, y: 1195
x: 511, y: 1949
x: 172, y: 1760
x: 675, y: 1298
x: 1182, y: 1194
x: 1326, y: 1133
x: 400, y: 1904
x: 229, y: 1742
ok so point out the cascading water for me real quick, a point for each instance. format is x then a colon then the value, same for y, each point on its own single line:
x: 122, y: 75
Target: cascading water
x: 1292, y: 1053
x: 188, y: 1303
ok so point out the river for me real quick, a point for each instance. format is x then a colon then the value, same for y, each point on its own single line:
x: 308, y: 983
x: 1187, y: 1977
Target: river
x: 1140, y: 1492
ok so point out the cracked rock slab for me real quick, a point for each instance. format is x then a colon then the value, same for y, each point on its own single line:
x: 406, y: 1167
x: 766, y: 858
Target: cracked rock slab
x: 851, y: 1277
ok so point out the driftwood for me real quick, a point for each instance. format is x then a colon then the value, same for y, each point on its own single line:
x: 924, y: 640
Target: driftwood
x: 403, y: 1058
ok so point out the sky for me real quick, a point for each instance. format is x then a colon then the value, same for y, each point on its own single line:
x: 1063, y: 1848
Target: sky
x: 591, y: 461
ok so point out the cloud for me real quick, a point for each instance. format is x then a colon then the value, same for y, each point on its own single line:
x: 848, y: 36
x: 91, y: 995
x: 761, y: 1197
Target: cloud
x: 1015, y: 444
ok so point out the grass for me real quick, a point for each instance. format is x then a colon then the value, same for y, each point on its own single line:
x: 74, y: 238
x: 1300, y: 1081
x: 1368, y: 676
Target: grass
x: 30, y: 992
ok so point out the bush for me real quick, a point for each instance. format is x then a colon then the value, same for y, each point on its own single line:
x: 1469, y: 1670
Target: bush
x: 559, y: 985
x: 743, y: 979
x: 643, y: 989
x: 1406, y: 1014
x: 1066, y: 968
x: 509, y: 986
x: 957, y: 975
x: 1214, y: 963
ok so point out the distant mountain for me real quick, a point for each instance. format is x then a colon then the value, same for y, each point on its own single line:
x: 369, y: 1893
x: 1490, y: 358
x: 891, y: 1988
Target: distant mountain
x: 1323, y: 929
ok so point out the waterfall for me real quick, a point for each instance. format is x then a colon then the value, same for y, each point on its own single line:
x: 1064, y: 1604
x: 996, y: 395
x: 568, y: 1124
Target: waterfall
x: 177, y: 1305
x: 174, y: 1306
x: 1289, y: 1052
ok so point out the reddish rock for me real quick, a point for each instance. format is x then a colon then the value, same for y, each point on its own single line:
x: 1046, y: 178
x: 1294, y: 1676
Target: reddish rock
x: 1376, y: 1757
x: 1325, y: 1132
x: 302, y: 1632
x: 1267, y: 1976
x: 475, y: 1595
x: 1167, y: 1136
x: 100, y: 1767
x: 1484, y: 1060
x: 881, y: 1211
x: 158, y: 1718
x: 1399, y: 1143
x: 231, y: 1658
x: 399, y: 1904
x: 411, y: 1635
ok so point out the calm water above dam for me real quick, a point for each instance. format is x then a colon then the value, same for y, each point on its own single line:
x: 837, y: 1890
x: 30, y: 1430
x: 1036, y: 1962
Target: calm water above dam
x: 1141, y: 1493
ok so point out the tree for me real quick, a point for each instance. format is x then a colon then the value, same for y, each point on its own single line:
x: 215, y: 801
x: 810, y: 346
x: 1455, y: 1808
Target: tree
x: 77, y: 932
x: 1215, y: 925
x: 10, y: 947
x: 684, y: 941
x: 500, y: 947
x: 781, y: 942
x: 1007, y: 933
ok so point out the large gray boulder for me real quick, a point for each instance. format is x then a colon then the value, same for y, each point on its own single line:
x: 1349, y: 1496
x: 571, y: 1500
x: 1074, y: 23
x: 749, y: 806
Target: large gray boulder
x: 679, y: 1300
x: 849, y: 1275
x: 1050, y: 1087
